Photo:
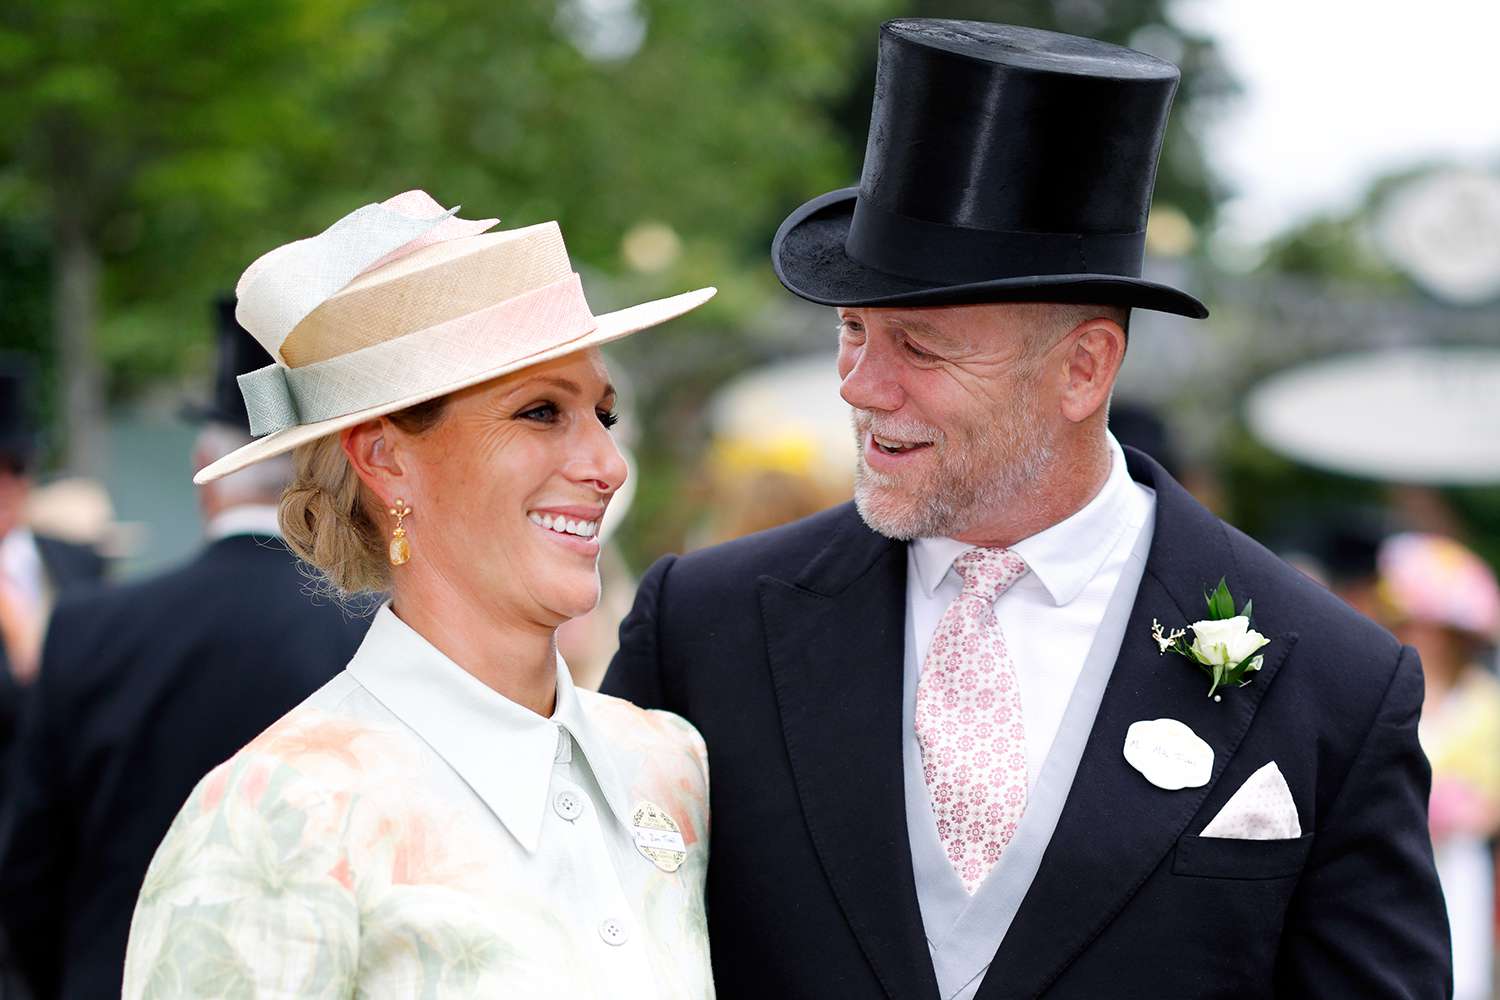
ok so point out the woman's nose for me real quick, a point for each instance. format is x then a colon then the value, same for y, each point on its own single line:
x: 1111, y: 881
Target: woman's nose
x: 601, y: 463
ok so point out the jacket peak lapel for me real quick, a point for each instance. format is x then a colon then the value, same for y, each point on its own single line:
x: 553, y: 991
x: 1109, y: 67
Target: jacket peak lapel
x: 835, y: 642
x: 1116, y: 827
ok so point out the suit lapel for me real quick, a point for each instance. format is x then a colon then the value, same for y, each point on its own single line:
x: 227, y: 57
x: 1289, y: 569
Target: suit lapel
x: 835, y: 637
x: 1116, y: 827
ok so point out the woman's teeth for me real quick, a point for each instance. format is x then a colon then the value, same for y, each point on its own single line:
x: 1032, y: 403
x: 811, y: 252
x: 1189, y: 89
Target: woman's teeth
x: 565, y: 526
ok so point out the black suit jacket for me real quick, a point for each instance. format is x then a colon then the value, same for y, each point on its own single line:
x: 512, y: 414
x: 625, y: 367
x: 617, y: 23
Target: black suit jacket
x: 143, y: 690
x: 785, y: 649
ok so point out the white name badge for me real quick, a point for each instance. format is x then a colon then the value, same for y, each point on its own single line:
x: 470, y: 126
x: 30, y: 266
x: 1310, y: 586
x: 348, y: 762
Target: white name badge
x: 1169, y: 754
x: 658, y: 837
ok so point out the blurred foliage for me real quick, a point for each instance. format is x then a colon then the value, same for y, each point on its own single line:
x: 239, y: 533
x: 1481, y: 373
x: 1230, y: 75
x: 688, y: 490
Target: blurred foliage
x: 1270, y: 496
x: 1341, y: 246
x: 179, y: 141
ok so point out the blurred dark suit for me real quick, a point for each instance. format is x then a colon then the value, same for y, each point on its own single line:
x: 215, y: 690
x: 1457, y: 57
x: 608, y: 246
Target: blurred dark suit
x: 67, y: 567
x: 144, y: 689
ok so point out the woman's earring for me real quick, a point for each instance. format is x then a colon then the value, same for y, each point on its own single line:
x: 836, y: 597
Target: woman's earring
x: 400, y: 548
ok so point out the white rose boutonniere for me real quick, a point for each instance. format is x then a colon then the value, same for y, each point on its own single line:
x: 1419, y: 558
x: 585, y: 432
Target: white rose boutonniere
x: 1224, y: 645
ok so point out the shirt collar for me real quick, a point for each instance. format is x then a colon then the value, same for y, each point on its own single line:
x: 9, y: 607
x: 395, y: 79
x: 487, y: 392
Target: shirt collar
x: 244, y: 519
x: 1066, y: 555
x: 504, y: 752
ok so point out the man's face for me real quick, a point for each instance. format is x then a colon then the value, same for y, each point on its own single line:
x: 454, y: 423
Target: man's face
x: 15, y: 487
x: 953, y: 420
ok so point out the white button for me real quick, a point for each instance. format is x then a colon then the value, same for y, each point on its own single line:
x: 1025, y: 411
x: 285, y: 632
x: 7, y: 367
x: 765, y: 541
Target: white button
x: 613, y: 932
x: 569, y: 805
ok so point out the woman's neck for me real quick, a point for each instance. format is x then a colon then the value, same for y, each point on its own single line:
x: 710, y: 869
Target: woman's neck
x: 518, y: 660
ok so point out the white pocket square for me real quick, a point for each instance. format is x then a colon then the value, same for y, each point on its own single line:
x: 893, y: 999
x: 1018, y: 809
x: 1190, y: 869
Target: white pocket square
x: 1261, y: 810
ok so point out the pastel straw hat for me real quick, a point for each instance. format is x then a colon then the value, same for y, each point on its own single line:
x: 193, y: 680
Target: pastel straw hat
x: 401, y: 302
x: 1432, y: 578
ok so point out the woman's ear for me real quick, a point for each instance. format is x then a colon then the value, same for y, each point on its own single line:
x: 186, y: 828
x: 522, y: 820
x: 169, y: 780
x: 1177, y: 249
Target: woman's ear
x: 370, y: 448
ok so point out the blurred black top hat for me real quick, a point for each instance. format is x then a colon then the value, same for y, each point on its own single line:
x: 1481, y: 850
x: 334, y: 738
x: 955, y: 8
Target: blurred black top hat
x: 18, y: 437
x: 238, y: 353
x: 1003, y: 164
x: 1141, y: 427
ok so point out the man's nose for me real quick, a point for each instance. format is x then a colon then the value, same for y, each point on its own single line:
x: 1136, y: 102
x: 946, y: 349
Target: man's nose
x: 870, y: 381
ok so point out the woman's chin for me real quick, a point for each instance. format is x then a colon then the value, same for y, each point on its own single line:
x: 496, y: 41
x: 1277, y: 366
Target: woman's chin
x: 569, y: 602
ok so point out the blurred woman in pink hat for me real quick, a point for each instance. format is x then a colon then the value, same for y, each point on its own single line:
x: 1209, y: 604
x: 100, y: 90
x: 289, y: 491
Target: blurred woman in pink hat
x: 1440, y: 597
x: 449, y: 817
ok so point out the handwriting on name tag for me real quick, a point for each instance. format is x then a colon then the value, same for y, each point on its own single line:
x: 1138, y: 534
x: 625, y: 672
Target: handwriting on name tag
x: 1169, y: 754
x: 658, y: 837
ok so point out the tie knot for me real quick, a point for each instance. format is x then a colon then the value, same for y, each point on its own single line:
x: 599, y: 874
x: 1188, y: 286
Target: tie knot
x: 988, y: 573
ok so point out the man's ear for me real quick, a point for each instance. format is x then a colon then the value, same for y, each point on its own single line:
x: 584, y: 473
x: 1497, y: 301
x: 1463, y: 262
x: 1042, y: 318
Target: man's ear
x: 370, y: 448
x: 1093, y: 362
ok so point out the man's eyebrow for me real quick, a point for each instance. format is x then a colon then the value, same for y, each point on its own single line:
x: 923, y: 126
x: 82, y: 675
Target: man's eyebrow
x: 913, y: 324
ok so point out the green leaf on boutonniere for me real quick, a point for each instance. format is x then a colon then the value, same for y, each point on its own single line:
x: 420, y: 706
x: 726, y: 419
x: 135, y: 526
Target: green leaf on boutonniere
x: 1224, y: 646
x: 1220, y: 604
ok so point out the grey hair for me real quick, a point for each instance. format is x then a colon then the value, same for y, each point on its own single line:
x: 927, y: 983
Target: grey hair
x: 258, y: 483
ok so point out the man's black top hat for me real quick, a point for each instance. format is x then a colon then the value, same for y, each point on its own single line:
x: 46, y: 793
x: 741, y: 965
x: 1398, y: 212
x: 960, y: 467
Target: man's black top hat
x: 1003, y: 164
x: 17, y: 427
x: 238, y: 353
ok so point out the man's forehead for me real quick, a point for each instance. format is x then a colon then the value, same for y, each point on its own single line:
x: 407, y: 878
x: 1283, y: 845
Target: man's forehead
x: 951, y: 323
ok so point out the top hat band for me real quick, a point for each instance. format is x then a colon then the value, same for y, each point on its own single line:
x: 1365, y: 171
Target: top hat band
x: 933, y: 251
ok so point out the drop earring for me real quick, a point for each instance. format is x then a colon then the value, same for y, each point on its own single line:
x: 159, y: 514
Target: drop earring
x: 400, y: 551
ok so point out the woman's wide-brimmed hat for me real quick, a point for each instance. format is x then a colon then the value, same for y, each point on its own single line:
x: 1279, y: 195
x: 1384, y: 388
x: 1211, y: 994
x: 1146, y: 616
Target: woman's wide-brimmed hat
x: 1434, y: 579
x: 401, y: 302
x: 1003, y: 164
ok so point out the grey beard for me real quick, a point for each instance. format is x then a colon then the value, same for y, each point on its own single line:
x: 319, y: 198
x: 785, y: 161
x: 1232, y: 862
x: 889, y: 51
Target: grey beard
x: 961, y: 495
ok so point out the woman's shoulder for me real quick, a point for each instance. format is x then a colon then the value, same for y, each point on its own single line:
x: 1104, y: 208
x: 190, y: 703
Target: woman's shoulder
x: 330, y: 743
x: 640, y: 730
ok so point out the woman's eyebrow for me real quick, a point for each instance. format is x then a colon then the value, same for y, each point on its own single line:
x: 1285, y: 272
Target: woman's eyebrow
x: 558, y: 382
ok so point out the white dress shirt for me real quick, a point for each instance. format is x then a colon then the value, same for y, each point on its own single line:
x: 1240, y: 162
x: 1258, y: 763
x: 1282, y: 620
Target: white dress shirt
x: 21, y: 565
x: 407, y: 831
x: 1049, y: 616
x: 244, y: 519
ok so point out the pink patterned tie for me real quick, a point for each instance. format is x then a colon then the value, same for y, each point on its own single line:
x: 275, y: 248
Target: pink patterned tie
x: 968, y: 721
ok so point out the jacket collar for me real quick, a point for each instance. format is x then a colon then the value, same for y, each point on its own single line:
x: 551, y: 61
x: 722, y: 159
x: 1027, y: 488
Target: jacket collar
x: 504, y: 752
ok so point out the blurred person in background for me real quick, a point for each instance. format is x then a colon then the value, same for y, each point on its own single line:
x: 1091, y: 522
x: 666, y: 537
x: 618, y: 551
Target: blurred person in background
x: 144, y: 689
x: 949, y: 756
x: 1441, y: 598
x: 1138, y: 426
x: 449, y: 817
x: 34, y: 569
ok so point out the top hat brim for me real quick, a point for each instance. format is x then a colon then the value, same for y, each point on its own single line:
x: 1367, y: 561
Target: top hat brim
x: 809, y: 256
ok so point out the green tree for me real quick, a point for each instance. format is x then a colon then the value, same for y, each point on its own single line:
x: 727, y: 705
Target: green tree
x: 133, y: 132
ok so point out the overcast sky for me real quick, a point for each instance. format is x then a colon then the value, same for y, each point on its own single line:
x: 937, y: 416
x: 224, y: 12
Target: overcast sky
x: 1338, y: 92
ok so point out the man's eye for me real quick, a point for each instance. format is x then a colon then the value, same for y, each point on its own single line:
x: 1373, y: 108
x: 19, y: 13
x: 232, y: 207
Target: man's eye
x: 917, y: 352
x: 543, y: 413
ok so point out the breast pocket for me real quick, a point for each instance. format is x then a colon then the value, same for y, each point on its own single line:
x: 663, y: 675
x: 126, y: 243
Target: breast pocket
x: 1216, y: 857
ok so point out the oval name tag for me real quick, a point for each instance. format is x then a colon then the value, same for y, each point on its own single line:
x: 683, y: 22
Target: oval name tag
x: 1169, y: 754
x: 658, y: 837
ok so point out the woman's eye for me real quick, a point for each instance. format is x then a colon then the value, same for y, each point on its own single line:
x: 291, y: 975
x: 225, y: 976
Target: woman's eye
x: 608, y: 418
x: 543, y: 413
x: 917, y: 352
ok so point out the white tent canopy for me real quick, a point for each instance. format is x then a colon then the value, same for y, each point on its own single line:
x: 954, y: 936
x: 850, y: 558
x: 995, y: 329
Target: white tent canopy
x: 1416, y: 415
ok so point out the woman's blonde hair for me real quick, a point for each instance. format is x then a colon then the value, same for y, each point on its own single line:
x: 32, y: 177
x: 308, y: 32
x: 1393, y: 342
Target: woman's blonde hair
x: 331, y: 521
